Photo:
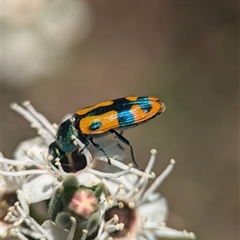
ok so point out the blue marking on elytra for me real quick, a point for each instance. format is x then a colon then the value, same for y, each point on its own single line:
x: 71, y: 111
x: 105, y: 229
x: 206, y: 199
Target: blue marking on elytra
x: 125, y: 118
x: 144, y: 103
x: 95, y: 125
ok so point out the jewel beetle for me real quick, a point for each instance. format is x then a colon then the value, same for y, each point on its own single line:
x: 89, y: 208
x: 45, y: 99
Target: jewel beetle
x: 104, y: 118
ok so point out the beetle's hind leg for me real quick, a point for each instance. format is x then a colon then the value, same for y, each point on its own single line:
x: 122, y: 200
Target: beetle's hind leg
x: 121, y: 132
x: 124, y: 140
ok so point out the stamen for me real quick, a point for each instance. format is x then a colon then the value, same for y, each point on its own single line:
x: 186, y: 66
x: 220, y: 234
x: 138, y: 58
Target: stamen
x: 23, y: 173
x: 87, y: 154
x: 151, y: 160
x: 120, y: 226
x: 143, y: 181
x: 131, y: 205
x: 26, y: 115
x: 123, y: 166
x: 17, y: 223
x: 121, y: 205
x: 44, y: 158
x: 120, y: 187
x: 49, y: 157
x: 18, y: 162
x: 115, y: 218
x: 107, y: 175
x: 110, y: 227
x: 85, y: 233
x: 140, y: 187
x: 45, y: 123
x: 109, y: 201
x: 20, y: 235
x: 7, y: 217
x: 32, y: 233
x: 22, y: 199
x: 56, y: 170
x: 73, y: 228
x: 30, y: 221
x: 158, y: 181
x: 100, y: 230
x: 55, y: 126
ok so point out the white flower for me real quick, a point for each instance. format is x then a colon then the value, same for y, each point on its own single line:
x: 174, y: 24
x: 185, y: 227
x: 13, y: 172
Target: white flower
x: 48, y: 230
x: 10, y: 194
x: 138, y: 212
x: 124, y: 208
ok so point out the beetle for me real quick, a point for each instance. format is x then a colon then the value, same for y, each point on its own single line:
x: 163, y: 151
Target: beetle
x: 104, y: 118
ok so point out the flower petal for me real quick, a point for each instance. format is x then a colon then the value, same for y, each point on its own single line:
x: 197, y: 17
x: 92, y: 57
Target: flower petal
x: 155, y: 211
x: 38, y: 188
x: 54, y: 231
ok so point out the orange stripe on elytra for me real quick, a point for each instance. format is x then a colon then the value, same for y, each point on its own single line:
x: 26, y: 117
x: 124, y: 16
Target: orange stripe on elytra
x: 141, y: 116
x: 131, y: 98
x: 153, y: 99
x: 109, y: 121
x: 88, y: 109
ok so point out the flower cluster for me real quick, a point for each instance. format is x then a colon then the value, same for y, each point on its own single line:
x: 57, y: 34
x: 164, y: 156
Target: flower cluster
x: 77, y: 201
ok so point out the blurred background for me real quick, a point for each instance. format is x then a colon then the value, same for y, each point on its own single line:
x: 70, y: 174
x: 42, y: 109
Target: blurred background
x: 68, y: 54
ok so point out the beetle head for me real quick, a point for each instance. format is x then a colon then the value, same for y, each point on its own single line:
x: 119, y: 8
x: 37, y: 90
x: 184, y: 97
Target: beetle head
x: 54, y: 151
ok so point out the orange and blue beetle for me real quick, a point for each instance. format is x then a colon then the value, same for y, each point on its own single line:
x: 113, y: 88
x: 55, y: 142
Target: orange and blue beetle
x: 104, y: 118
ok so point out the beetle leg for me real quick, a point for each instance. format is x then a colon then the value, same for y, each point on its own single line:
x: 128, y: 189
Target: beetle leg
x: 101, y: 149
x: 81, y: 151
x: 124, y: 140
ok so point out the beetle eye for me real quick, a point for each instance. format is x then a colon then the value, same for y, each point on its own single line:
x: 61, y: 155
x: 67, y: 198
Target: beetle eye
x: 57, y: 152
